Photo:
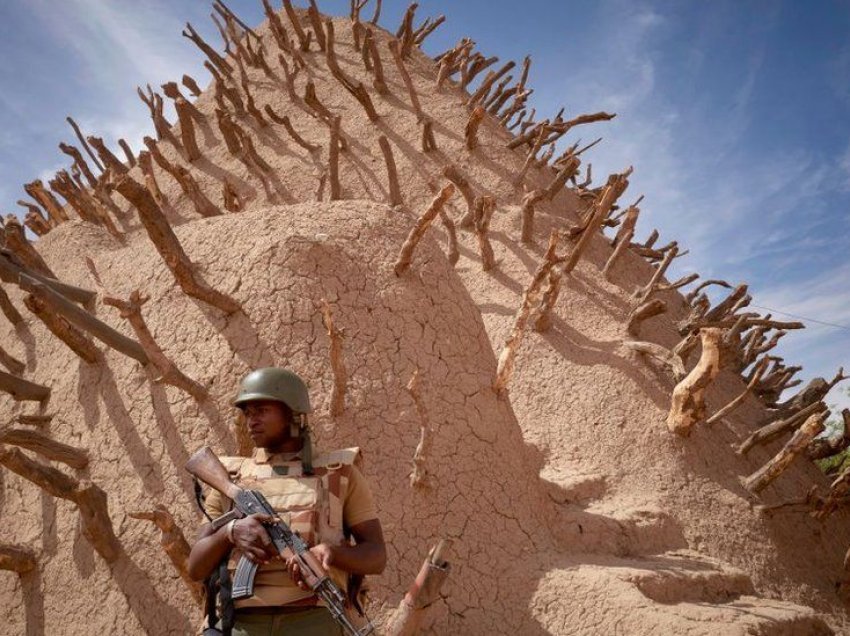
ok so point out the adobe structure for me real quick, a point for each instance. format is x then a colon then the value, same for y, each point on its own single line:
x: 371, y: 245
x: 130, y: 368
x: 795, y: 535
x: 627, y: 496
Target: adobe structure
x: 601, y: 450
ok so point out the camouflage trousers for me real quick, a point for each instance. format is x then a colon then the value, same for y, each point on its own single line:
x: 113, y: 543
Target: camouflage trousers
x: 313, y: 621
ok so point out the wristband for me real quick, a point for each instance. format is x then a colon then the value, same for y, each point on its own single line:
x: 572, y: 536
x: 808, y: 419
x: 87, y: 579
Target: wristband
x: 229, y: 530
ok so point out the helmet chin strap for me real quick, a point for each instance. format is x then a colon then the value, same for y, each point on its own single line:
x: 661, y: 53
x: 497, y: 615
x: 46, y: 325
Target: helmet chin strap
x: 300, y: 428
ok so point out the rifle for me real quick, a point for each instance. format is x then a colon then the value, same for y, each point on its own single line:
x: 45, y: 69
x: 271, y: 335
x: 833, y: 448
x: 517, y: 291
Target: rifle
x: 205, y: 466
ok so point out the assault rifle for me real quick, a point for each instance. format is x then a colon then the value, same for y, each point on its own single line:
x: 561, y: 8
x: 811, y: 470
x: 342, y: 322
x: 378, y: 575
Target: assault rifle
x: 205, y: 466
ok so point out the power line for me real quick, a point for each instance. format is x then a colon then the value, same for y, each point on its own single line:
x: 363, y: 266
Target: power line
x: 820, y: 322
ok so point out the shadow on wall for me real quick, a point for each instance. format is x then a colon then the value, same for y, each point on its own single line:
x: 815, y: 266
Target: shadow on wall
x: 33, y: 602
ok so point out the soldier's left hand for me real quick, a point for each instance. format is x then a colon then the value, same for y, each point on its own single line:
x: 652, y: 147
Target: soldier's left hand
x: 322, y: 552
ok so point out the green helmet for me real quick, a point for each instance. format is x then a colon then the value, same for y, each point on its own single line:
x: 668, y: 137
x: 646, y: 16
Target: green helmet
x: 274, y: 383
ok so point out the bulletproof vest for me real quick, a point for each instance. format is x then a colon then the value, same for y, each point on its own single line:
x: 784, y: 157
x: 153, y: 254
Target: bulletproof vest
x: 312, y: 505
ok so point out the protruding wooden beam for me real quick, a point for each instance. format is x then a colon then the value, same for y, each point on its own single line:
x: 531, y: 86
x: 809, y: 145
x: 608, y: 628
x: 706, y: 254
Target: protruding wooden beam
x: 760, y: 479
x: 21, y: 389
x: 529, y: 200
x: 203, y: 206
x: 471, y: 132
x: 16, y: 559
x: 303, y: 41
x: 484, y: 208
x: 340, y: 374
x: 333, y: 159
x: 45, y: 446
x: 219, y: 62
x: 505, y: 367
x: 84, y: 143
x: 173, y: 541
x: 379, y: 83
x: 405, y: 76
x: 460, y: 182
x: 131, y: 311
x: 62, y: 329
x: 16, y: 241
x: 688, y: 402
x: 644, y: 312
x: 779, y: 426
x: 423, y: 593
x: 169, y: 247
x: 83, y: 319
x: 11, y: 270
x: 422, y: 223
x: 9, y: 310
x: 735, y: 403
x: 616, y: 186
x: 393, y: 189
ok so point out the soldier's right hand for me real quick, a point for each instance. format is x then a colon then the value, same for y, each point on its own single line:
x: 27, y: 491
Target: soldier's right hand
x: 251, y: 538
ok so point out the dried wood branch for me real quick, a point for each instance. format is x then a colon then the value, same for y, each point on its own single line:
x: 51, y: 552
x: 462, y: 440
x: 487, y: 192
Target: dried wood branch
x: 169, y: 247
x: 731, y: 406
x: 379, y: 83
x: 454, y: 175
x: 62, y: 329
x: 423, y: 593
x: 405, y: 76
x: 174, y: 543
x: 21, y: 389
x: 643, y: 312
x: 393, y: 189
x: 671, y: 359
x: 484, y: 208
x: 303, y: 41
x: 15, y: 559
x: 422, y: 223
x: 337, y: 363
x: 687, y: 406
x: 760, y: 479
x: 779, y: 426
x: 45, y: 446
x: 507, y: 357
x: 529, y: 200
x: 471, y: 132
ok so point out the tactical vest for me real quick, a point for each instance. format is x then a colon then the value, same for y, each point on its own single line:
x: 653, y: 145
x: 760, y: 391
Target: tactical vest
x: 312, y: 505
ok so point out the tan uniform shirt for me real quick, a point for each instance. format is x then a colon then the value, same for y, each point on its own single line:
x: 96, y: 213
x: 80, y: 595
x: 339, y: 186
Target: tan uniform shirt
x: 279, y: 478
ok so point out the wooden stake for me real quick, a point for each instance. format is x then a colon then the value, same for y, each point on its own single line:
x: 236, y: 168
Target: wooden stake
x: 472, y: 127
x: 333, y: 160
x: 780, y: 425
x: 187, y: 129
x: 379, y: 83
x: 760, y: 479
x: 405, y: 76
x: 21, y: 389
x: 174, y: 543
x: 83, y: 319
x: 303, y: 41
x: 731, y: 406
x: 688, y: 403
x: 395, y: 197
x: 337, y: 363
x: 644, y: 312
x: 169, y: 247
x: 484, y: 208
x: 423, y: 593
x: 9, y: 310
x: 62, y: 329
x: 454, y: 175
x: 507, y: 357
x: 85, y: 144
x: 422, y: 224
x: 15, y: 559
x: 91, y: 500
x: 527, y: 214
x: 671, y: 359
x: 45, y: 446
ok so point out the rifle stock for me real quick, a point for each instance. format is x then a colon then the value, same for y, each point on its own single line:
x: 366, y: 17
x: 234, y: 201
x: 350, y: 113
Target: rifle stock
x: 208, y: 468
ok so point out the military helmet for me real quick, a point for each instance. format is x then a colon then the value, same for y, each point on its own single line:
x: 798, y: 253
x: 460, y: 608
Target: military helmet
x: 274, y: 383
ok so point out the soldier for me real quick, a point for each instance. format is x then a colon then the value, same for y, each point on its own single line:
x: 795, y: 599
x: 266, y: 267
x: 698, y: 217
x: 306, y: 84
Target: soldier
x: 324, y: 498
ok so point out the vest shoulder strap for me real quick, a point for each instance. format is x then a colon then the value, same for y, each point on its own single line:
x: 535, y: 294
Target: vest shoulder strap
x: 338, y: 458
x: 233, y: 464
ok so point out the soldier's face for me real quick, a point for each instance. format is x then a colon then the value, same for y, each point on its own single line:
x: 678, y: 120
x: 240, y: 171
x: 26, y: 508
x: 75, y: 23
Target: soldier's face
x: 267, y: 422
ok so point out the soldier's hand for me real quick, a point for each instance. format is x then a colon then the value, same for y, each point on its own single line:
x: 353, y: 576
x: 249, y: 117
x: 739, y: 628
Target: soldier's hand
x: 251, y: 538
x: 322, y: 552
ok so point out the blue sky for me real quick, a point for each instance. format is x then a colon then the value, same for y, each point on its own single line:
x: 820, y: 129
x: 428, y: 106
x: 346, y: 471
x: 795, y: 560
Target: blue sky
x: 734, y: 114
